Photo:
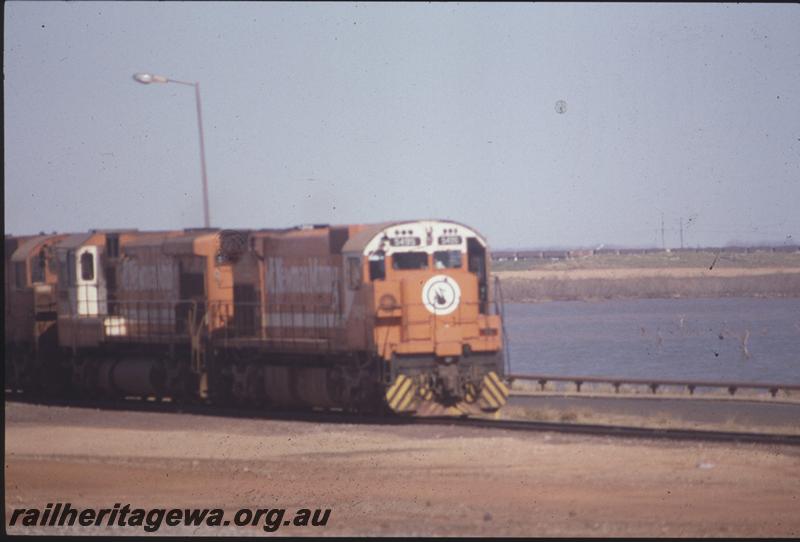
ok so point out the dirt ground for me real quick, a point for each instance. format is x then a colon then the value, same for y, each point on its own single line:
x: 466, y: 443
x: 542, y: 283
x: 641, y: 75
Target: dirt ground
x: 395, y: 480
x: 716, y: 413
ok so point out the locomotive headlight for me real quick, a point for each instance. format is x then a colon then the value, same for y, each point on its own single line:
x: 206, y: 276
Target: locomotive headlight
x: 43, y: 289
x: 388, y: 302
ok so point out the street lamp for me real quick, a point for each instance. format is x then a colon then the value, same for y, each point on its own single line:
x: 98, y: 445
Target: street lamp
x: 146, y: 79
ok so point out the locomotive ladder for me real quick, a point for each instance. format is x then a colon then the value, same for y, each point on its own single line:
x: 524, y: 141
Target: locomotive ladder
x: 198, y: 350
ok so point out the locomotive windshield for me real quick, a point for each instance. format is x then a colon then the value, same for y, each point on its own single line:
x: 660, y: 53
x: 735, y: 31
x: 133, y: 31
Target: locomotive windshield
x: 447, y: 259
x: 410, y: 260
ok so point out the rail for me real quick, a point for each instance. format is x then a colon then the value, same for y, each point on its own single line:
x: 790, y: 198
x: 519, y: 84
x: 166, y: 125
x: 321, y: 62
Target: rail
x: 334, y: 417
x: 691, y: 385
x: 622, y: 431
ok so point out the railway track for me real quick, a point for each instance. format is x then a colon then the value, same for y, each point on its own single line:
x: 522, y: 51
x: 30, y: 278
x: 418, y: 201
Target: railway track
x: 333, y: 417
x: 626, y: 431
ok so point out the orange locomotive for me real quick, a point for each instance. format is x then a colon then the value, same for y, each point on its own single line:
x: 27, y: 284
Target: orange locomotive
x: 395, y: 316
x: 30, y: 309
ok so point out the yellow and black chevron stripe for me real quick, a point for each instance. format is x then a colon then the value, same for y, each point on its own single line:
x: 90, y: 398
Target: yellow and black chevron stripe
x: 402, y: 395
x: 494, y: 393
x: 425, y: 393
x: 431, y: 408
x: 470, y: 393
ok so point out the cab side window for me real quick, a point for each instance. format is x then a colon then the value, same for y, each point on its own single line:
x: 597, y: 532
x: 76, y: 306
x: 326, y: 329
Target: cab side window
x: 71, y: 267
x: 112, y: 245
x: 87, y: 266
x: 354, y: 273
x: 37, y: 267
x: 377, y: 266
x: 19, y: 274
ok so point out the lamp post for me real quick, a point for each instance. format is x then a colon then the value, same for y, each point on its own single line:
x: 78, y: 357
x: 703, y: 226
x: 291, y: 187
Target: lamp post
x: 146, y: 79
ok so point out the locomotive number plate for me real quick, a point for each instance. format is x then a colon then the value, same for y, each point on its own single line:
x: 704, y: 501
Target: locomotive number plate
x: 404, y: 241
x: 450, y: 240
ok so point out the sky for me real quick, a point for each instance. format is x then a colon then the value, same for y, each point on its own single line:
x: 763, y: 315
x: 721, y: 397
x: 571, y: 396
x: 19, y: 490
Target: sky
x: 365, y: 112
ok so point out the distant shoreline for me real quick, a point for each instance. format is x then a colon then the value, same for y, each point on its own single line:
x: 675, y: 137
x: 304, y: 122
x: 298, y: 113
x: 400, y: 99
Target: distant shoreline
x: 538, y: 285
x: 652, y: 275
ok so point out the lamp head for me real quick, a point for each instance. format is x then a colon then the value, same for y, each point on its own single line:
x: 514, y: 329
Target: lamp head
x: 147, y: 78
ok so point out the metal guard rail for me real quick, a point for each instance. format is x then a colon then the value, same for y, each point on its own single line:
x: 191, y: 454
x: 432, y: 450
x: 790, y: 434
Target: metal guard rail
x: 654, y: 384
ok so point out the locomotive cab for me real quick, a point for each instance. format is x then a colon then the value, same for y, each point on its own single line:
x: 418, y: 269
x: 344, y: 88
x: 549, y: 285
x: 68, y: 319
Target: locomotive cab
x: 86, y: 265
x: 30, y: 301
x: 426, y: 285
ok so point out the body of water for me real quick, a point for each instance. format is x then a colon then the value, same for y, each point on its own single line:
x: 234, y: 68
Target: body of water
x: 728, y: 339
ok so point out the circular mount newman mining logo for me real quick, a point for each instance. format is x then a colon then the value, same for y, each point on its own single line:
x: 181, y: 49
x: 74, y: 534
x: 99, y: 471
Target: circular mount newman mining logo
x: 441, y: 295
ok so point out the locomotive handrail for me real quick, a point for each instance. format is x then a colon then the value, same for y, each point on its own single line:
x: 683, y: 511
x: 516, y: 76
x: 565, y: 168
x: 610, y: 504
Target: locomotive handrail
x: 500, y: 311
x: 653, y: 384
x: 313, y: 325
x: 310, y: 325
